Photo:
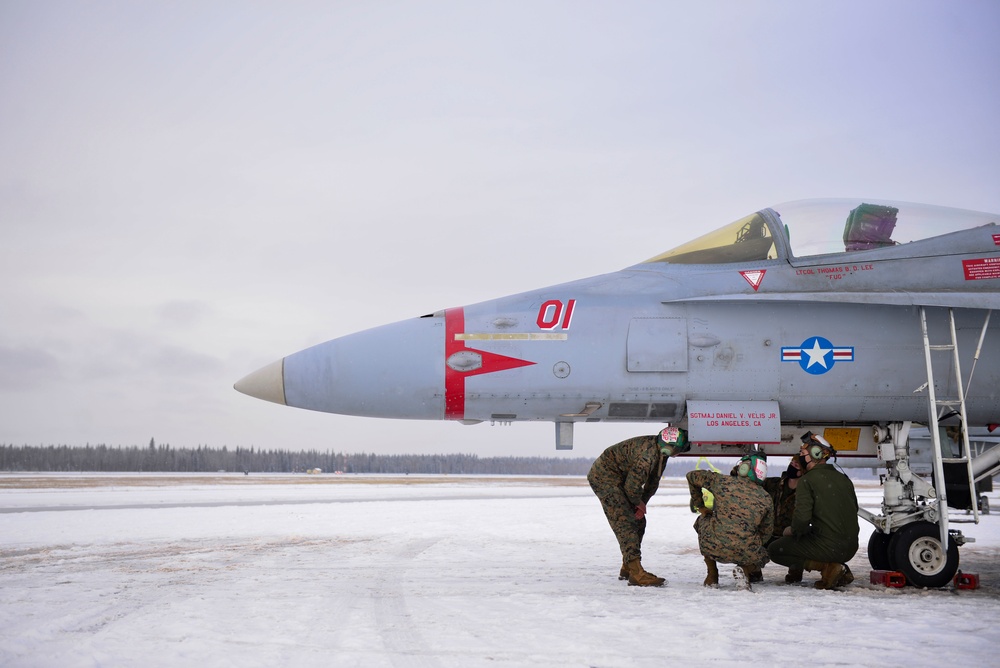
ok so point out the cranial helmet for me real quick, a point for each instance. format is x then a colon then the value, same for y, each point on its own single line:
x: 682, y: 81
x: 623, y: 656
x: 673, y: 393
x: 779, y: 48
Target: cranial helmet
x: 753, y: 466
x: 818, y: 447
x: 673, y: 437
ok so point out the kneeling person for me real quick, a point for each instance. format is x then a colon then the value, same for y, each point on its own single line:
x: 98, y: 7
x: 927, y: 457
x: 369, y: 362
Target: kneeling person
x: 741, y: 519
x: 823, y: 535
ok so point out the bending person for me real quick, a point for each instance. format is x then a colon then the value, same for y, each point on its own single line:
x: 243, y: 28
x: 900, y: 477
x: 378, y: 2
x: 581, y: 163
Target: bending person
x: 625, y: 477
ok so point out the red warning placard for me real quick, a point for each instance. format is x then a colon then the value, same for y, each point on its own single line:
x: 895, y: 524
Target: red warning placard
x: 981, y: 268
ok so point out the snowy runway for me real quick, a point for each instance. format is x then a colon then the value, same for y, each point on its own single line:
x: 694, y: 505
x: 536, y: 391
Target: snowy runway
x: 449, y: 571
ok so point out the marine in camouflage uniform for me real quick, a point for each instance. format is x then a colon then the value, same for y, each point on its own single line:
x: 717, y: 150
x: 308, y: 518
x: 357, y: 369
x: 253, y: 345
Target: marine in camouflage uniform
x: 782, y: 493
x: 741, y: 519
x: 625, y: 477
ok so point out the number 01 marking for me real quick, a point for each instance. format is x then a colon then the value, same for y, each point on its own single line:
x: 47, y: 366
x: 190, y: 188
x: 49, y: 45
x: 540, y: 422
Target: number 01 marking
x: 553, y: 312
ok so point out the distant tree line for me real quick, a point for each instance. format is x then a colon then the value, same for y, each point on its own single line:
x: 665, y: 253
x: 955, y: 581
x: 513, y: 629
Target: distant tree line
x: 204, y: 459
x: 166, y: 459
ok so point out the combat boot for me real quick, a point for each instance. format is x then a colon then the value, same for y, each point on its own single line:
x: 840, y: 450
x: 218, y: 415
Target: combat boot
x: 846, y: 578
x: 638, y: 577
x: 712, y: 579
x: 810, y: 565
x: 753, y: 573
x: 623, y: 573
x: 793, y: 576
x: 830, y: 575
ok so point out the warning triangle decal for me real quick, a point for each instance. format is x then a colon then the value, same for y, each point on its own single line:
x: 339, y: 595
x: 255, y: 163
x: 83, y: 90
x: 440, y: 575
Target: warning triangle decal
x: 754, y: 277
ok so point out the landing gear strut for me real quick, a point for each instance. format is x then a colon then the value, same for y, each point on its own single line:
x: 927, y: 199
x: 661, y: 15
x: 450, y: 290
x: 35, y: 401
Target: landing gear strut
x: 907, y: 535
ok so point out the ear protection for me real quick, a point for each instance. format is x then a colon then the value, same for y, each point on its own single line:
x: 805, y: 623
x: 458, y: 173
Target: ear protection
x: 817, y: 447
x: 674, y: 437
x: 744, y: 470
x: 753, y: 466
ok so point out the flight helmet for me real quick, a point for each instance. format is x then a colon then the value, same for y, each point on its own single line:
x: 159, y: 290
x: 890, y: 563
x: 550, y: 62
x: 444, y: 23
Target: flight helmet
x: 673, y: 439
x: 753, y: 466
x: 819, y: 448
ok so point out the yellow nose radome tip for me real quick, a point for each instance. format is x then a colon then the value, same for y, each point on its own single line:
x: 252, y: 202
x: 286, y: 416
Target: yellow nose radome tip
x: 267, y: 383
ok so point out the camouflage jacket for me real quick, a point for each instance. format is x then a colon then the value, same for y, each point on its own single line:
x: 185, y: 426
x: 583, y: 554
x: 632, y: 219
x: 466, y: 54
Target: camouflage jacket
x: 635, y: 466
x: 783, y: 498
x: 826, y: 507
x: 741, y: 521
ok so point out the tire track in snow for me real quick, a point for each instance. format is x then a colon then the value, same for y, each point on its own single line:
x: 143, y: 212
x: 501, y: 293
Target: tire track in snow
x: 406, y: 645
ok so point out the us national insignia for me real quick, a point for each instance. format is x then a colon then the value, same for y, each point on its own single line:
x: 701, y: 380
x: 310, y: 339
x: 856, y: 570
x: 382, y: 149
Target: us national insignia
x: 816, y: 355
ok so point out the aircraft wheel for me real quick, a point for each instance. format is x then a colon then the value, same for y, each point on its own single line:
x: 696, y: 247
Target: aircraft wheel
x: 878, y: 551
x: 984, y: 505
x: 916, y: 551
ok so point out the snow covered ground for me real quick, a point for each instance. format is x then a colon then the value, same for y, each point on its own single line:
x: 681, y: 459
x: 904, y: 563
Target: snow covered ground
x: 326, y: 570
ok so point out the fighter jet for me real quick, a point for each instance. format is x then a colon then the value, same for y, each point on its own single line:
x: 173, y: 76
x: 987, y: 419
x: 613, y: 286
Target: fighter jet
x: 853, y: 319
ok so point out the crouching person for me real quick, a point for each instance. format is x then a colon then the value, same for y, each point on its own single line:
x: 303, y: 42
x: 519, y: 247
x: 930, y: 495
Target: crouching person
x: 823, y: 535
x: 782, y: 491
x: 624, y: 478
x: 740, y: 522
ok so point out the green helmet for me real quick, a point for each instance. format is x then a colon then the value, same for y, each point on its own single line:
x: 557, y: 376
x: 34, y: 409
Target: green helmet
x: 753, y: 466
x: 675, y: 438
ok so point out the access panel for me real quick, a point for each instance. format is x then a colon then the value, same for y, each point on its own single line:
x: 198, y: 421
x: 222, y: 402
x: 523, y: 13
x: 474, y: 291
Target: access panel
x: 657, y: 345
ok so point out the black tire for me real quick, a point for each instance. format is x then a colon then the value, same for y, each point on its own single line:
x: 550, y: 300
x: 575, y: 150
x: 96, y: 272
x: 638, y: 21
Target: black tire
x: 916, y: 552
x: 878, y: 551
x: 984, y: 505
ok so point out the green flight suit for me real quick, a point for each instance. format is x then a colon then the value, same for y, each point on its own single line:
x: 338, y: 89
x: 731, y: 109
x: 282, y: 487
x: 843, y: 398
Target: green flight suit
x: 825, y: 523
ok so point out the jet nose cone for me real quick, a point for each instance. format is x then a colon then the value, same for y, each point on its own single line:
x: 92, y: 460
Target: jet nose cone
x: 267, y: 383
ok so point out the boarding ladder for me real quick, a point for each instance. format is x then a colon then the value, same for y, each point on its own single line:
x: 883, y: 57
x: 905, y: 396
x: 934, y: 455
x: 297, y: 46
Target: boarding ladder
x: 939, y: 409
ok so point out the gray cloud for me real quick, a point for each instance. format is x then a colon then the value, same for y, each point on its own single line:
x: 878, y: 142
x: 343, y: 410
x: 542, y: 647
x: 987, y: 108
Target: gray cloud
x: 23, y: 369
x: 183, y: 313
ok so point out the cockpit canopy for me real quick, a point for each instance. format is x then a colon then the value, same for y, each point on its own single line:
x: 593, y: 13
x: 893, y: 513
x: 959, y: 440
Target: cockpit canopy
x: 820, y: 227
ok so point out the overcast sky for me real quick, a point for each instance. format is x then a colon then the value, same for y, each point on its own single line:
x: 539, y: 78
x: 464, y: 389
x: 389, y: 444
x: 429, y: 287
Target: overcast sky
x: 191, y: 190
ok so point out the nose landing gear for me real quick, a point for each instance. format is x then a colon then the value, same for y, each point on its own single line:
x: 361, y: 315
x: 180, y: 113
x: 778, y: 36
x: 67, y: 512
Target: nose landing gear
x: 916, y: 551
x: 907, y: 537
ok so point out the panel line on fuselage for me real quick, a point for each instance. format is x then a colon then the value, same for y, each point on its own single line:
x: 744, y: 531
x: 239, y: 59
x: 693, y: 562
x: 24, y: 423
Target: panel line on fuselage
x: 512, y: 336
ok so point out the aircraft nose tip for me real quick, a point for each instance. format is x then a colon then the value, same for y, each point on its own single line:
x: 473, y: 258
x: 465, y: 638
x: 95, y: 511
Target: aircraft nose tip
x: 267, y: 383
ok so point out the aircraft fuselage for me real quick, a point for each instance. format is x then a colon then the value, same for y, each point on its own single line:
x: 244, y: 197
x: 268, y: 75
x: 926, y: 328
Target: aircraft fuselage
x: 732, y: 335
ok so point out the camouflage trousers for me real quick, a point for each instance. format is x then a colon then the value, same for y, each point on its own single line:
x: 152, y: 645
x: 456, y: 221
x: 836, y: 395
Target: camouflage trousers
x: 718, y: 541
x: 621, y: 516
